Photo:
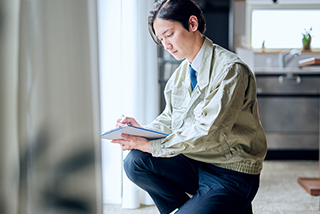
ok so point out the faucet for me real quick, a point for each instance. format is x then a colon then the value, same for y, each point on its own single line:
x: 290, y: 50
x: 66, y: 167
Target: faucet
x: 284, y: 60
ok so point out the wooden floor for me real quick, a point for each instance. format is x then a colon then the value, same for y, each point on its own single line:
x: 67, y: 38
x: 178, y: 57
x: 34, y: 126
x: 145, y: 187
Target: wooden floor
x: 279, y: 193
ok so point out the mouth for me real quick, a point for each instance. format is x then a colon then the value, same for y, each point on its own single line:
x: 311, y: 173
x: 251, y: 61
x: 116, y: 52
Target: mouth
x: 173, y: 52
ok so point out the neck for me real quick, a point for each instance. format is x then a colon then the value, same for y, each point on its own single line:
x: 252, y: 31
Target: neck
x: 197, y: 46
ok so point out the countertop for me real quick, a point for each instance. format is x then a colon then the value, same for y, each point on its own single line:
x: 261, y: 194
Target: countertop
x: 307, y: 70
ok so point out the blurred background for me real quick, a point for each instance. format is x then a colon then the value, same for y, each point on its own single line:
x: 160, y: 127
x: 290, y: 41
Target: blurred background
x: 50, y: 156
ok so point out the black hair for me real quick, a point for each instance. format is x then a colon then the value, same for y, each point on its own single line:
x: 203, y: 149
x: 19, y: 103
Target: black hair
x: 176, y: 10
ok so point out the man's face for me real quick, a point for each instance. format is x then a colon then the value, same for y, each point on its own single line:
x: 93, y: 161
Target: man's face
x: 175, y: 38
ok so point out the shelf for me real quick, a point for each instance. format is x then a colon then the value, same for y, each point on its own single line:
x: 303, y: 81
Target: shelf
x: 311, y: 185
x: 309, y: 61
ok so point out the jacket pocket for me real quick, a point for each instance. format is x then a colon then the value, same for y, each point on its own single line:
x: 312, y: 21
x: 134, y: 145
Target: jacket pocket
x: 178, y: 111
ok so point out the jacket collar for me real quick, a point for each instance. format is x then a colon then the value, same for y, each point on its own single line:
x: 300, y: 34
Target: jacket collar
x: 203, y: 71
x: 203, y: 74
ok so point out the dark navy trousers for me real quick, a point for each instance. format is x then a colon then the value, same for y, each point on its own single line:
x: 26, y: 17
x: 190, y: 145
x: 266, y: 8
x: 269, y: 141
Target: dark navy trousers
x: 171, y: 181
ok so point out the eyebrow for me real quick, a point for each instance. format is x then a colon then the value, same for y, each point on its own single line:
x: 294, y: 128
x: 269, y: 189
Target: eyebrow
x: 165, y: 32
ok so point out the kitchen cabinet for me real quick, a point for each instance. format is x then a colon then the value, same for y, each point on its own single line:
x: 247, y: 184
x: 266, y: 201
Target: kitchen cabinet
x: 289, y: 112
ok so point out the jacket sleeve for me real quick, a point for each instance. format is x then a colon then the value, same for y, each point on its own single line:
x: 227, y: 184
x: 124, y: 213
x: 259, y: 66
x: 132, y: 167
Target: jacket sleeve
x: 213, y: 120
x: 163, y: 122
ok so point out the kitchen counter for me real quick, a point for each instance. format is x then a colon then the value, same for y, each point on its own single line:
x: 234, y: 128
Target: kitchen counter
x: 309, y: 70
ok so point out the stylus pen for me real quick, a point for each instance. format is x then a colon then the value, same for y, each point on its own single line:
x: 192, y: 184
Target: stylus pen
x: 122, y: 117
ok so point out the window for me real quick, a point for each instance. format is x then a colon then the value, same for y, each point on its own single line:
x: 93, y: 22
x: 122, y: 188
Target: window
x: 281, y: 26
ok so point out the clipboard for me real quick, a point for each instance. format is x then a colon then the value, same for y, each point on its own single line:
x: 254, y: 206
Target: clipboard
x: 115, y: 134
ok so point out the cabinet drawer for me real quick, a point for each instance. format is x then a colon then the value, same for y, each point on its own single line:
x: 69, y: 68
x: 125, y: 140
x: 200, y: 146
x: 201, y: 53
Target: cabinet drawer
x: 289, y: 114
x: 288, y: 84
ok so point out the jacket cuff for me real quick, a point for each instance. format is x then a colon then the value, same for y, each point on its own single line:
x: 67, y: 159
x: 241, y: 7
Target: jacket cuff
x: 155, y: 147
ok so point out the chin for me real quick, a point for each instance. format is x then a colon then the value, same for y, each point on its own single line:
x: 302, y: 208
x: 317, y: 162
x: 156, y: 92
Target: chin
x: 178, y: 57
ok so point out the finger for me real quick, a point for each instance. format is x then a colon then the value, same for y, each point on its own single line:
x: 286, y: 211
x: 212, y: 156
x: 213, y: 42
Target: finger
x: 122, y: 122
x: 124, y: 144
x: 119, y: 125
x: 127, y: 137
x: 120, y: 141
x: 131, y: 138
x: 125, y: 147
x: 132, y: 121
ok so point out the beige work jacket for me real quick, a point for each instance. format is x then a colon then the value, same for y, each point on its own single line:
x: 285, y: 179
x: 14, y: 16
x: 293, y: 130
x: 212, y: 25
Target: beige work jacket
x: 218, y: 121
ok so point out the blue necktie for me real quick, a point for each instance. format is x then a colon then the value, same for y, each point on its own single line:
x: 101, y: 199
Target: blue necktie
x: 193, y: 77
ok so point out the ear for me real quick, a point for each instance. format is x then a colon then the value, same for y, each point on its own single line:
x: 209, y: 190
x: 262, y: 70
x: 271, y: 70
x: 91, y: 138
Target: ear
x: 193, y: 23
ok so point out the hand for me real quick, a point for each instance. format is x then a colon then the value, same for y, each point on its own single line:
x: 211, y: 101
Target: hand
x: 125, y: 120
x: 132, y: 142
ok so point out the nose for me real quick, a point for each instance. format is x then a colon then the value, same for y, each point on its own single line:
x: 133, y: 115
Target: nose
x: 167, y: 45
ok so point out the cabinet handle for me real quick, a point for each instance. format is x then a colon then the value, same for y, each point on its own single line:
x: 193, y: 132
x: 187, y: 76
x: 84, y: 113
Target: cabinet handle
x: 290, y: 79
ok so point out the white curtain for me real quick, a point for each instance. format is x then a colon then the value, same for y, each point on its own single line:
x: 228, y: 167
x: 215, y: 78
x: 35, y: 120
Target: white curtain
x: 128, y: 86
x: 49, y: 113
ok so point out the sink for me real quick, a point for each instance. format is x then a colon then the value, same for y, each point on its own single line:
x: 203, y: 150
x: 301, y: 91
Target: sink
x: 269, y: 63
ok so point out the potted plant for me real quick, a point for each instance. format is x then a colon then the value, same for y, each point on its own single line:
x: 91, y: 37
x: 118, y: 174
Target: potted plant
x: 306, y: 39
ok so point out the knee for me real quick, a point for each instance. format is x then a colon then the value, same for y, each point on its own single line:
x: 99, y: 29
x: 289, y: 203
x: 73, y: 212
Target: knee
x: 134, y: 164
x: 129, y: 163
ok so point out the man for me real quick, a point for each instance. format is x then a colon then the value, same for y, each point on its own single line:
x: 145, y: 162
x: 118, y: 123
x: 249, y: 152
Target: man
x: 212, y: 158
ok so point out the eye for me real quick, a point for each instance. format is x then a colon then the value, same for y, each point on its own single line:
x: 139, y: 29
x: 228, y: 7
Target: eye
x: 170, y: 35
